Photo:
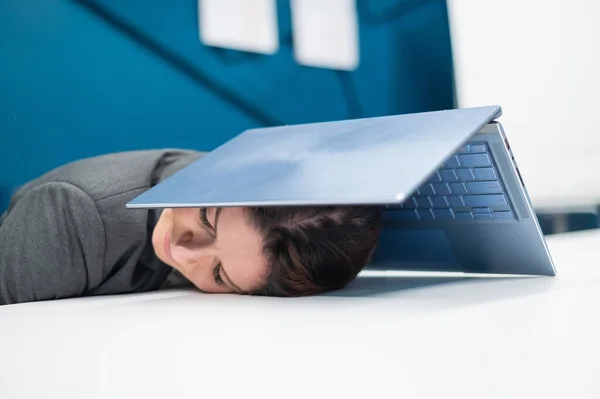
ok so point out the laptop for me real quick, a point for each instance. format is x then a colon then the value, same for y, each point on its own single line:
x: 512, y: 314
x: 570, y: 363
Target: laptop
x: 453, y: 197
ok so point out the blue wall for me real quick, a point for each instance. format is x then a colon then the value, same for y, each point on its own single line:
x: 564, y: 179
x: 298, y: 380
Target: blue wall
x: 76, y: 81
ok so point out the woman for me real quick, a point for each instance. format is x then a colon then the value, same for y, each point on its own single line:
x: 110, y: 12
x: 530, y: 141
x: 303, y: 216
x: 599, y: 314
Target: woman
x: 68, y: 234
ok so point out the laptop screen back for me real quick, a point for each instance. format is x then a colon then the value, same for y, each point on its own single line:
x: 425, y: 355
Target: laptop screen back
x: 363, y: 161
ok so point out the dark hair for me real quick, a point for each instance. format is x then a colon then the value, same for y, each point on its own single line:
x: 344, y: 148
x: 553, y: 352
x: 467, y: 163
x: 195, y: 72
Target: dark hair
x: 310, y: 250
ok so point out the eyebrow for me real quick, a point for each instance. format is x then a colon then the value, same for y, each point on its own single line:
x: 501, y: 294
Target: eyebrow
x: 231, y: 283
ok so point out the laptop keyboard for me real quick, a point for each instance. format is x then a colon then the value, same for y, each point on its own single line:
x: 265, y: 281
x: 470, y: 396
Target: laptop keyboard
x: 466, y: 187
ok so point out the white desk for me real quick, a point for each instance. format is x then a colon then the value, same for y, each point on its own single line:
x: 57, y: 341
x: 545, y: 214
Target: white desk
x: 422, y: 338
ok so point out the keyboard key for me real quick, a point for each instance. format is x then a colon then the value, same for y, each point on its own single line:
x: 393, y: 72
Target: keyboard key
x: 410, y: 203
x: 463, y: 215
x: 423, y: 202
x: 503, y: 215
x: 484, y: 200
x: 471, y: 160
x: 448, y: 175
x: 481, y: 210
x: 458, y: 188
x: 435, y: 177
x: 439, y: 202
x: 441, y: 189
x: 477, y: 148
x: 465, y: 174
x: 426, y: 189
x: 451, y: 162
x: 444, y: 214
x: 485, y: 174
x: 401, y: 215
x: 484, y: 187
x: 463, y: 149
x: 455, y: 201
x: 425, y: 214
x: 482, y: 215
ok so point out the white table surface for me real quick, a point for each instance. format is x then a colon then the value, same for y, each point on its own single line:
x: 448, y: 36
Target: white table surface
x: 410, y: 338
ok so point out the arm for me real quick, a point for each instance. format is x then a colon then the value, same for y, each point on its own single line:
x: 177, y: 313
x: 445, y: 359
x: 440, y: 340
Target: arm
x: 51, y: 245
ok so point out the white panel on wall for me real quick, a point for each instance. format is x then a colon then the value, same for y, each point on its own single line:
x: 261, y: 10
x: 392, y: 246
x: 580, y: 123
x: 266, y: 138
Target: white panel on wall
x: 326, y: 33
x: 539, y: 60
x: 245, y: 25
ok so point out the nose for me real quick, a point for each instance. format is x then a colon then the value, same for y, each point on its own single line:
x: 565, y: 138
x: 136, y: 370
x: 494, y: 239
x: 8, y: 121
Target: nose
x: 192, y: 245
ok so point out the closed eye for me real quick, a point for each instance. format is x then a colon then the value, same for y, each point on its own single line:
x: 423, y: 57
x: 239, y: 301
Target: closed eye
x: 202, y: 214
x: 216, y: 272
x: 217, y: 275
x: 218, y: 269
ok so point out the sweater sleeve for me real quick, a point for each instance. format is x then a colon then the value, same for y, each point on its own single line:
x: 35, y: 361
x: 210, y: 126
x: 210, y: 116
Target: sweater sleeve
x: 52, y: 245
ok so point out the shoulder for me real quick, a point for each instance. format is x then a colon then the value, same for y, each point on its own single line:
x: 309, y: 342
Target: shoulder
x: 116, y: 173
x: 44, y: 253
x: 47, y: 211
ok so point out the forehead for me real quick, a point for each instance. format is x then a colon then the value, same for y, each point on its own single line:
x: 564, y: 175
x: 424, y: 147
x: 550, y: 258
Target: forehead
x: 240, y: 248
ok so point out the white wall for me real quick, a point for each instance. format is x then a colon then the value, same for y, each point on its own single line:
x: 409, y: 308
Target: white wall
x: 539, y: 60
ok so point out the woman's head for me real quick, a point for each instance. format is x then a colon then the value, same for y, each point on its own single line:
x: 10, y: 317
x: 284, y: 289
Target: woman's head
x: 276, y: 251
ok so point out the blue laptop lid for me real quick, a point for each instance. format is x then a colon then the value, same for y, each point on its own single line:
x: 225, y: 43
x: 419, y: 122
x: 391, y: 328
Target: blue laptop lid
x: 379, y: 160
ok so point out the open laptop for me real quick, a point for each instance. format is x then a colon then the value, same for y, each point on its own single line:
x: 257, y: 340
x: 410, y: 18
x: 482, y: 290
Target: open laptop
x: 451, y: 190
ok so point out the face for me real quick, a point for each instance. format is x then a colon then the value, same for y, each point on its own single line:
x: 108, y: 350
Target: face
x: 217, y: 250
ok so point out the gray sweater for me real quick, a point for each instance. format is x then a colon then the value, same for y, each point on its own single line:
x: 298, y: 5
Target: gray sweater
x: 68, y: 233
